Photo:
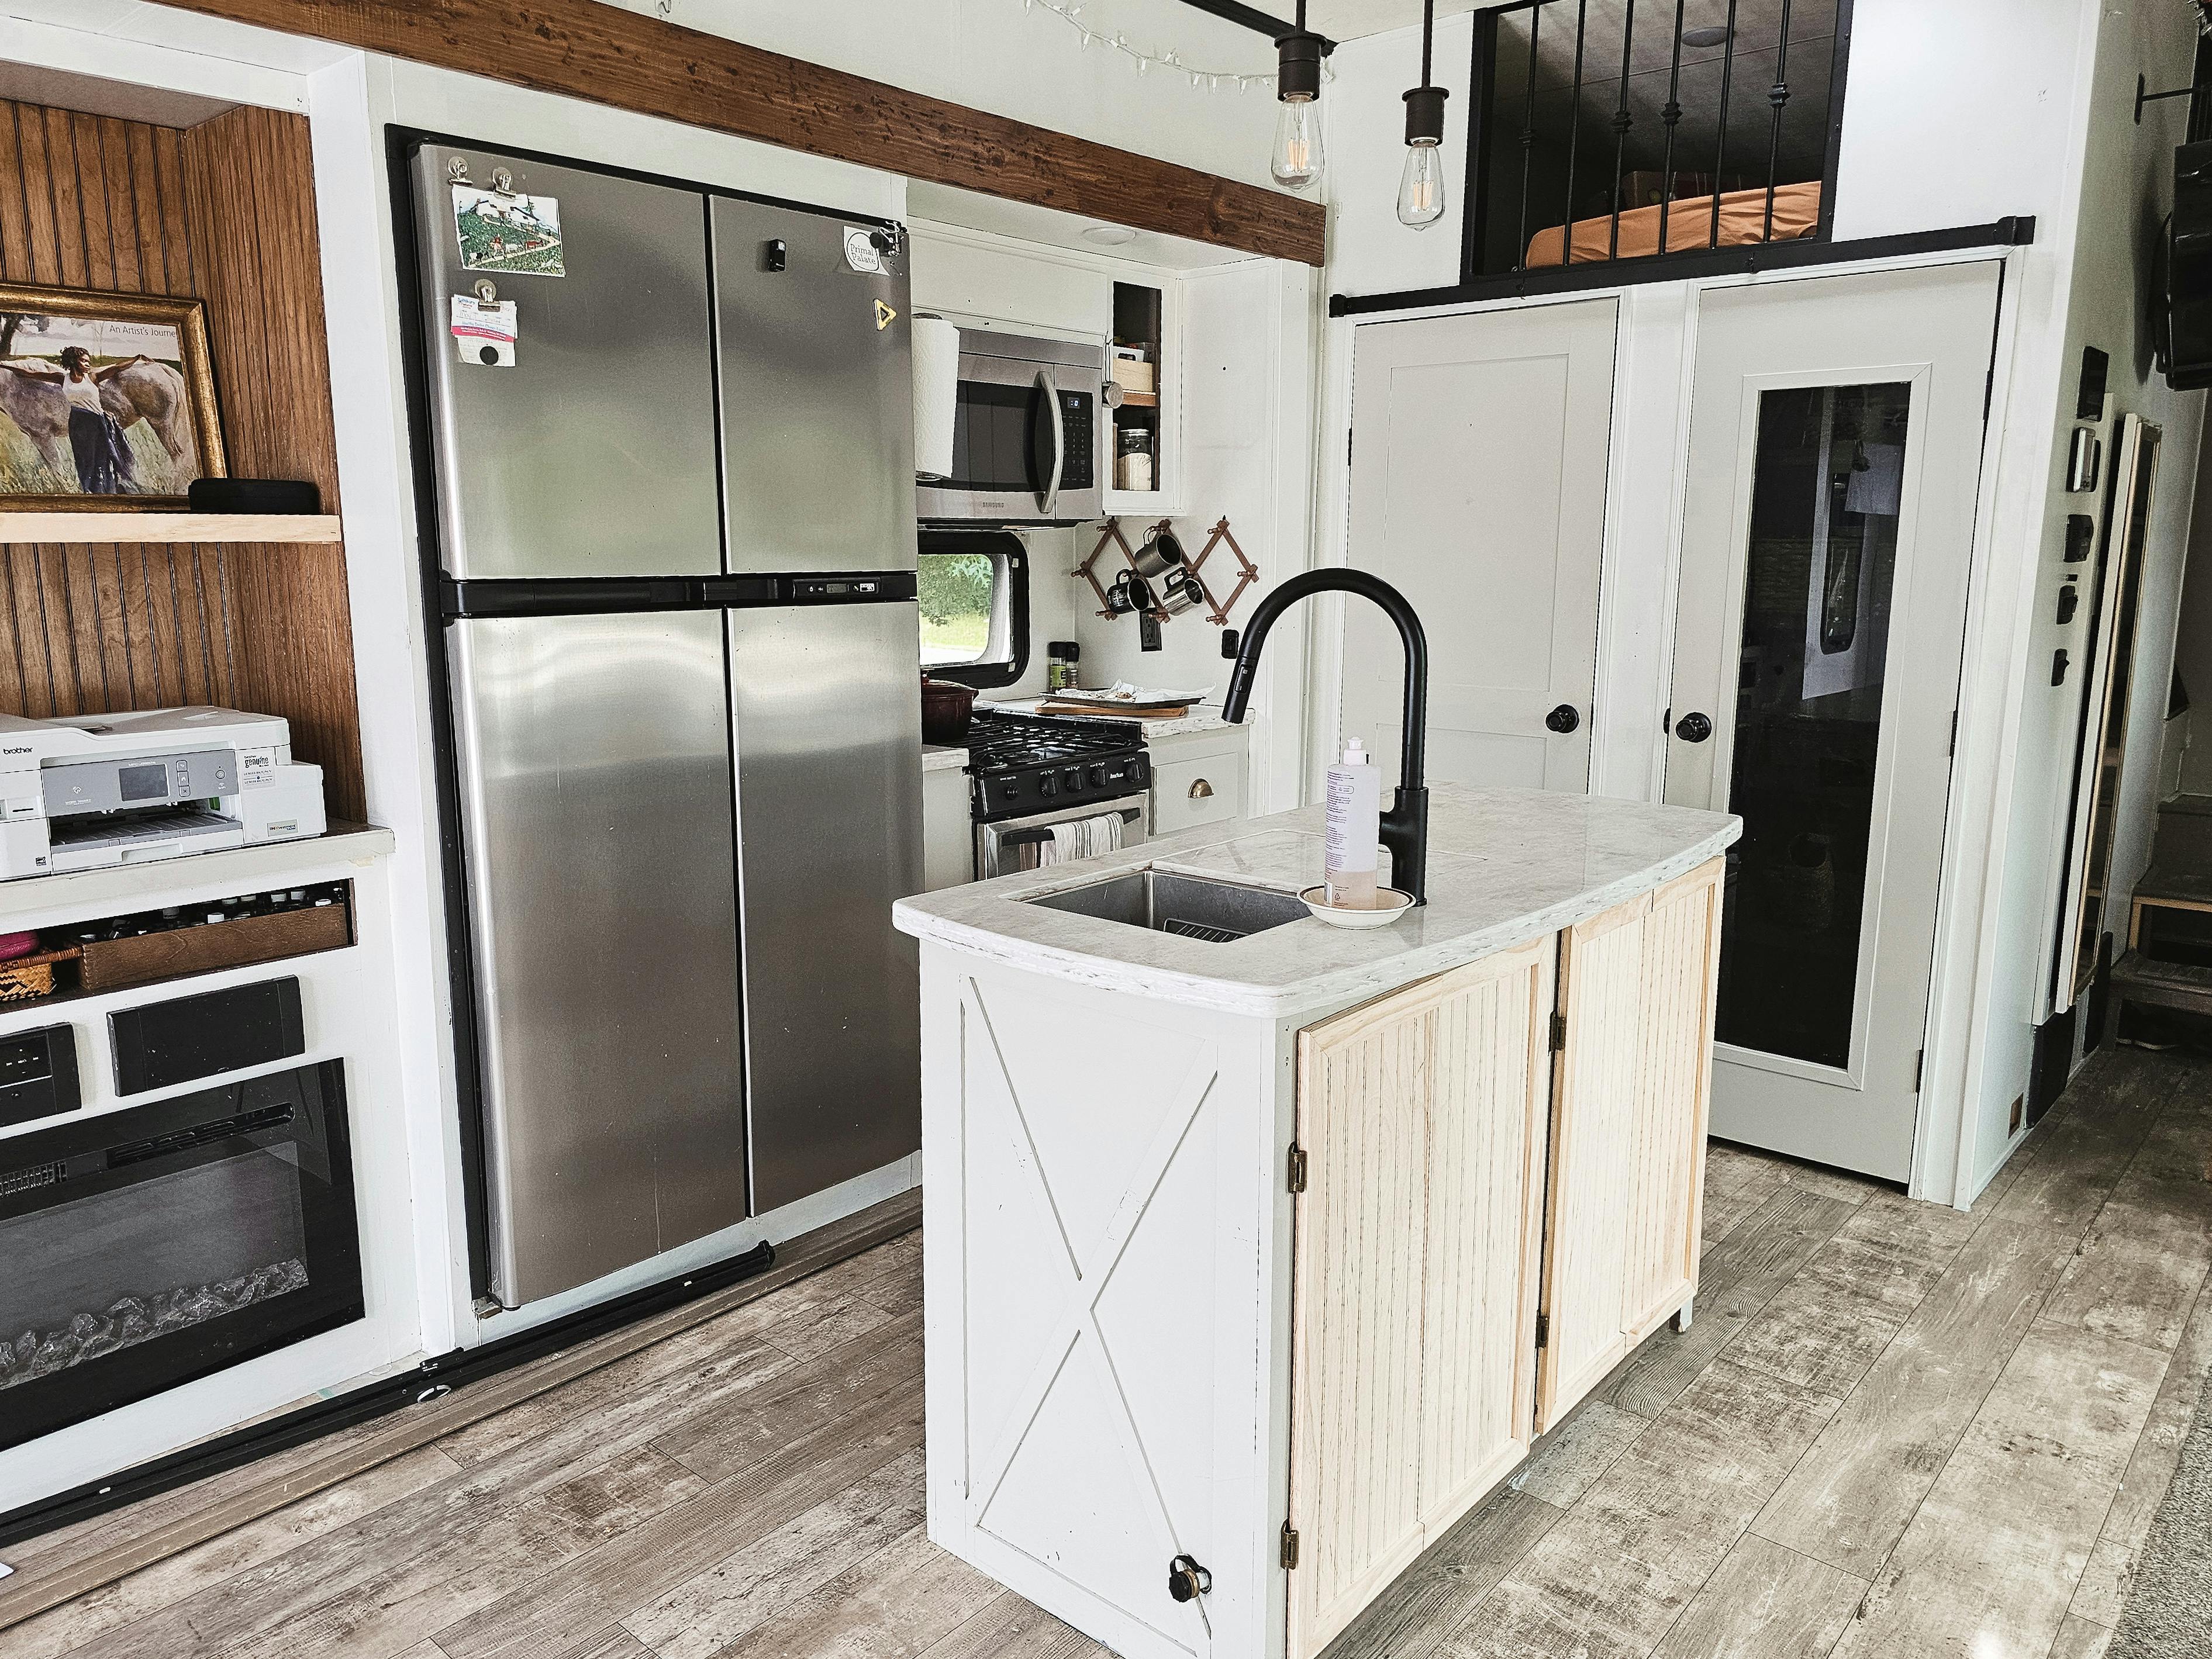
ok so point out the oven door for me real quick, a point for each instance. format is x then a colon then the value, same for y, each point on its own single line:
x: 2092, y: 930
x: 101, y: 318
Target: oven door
x: 1011, y: 845
x: 1026, y: 436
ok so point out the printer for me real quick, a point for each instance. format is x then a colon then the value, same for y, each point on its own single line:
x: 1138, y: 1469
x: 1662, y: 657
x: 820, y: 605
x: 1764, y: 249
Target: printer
x: 96, y: 790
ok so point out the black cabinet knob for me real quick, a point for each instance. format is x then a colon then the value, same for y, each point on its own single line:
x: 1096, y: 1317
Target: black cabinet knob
x: 1693, y: 728
x: 1563, y: 719
x: 1187, y: 1580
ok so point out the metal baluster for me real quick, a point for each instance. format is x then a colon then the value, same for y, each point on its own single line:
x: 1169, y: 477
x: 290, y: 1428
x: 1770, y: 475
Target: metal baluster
x: 1527, y: 135
x: 1777, y: 96
x: 1622, y: 121
x: 1671, y: 116
x: 1720, y: 140
x: 1574, y: 133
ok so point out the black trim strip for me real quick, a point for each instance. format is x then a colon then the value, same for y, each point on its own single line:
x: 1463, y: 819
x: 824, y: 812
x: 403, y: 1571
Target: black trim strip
x: 1251, y: 17
x: 2016, y: 231
x: 602, y: 595
x: 431, y: 1380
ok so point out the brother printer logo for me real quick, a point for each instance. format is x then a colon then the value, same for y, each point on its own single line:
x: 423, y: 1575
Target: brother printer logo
x: 25, y: 750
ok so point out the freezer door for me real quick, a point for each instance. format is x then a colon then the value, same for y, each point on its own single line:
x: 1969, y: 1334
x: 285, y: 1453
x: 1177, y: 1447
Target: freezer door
x: 828, y: 722
x: 595, y: 780
x: 593, y: 454
x: 818, y: 394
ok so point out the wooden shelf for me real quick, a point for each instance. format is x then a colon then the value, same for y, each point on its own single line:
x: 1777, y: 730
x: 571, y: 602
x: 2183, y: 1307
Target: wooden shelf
x: 1140, y: 400
x: 17, y: 529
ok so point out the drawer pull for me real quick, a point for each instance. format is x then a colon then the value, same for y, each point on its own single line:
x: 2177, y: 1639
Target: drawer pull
x: 1201, y: 789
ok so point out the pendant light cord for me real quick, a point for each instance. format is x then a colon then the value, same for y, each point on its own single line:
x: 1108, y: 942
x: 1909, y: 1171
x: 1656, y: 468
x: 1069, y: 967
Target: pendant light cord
x: 1428, y: 33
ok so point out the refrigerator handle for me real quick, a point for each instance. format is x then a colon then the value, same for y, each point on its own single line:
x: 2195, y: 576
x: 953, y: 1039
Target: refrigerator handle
x: 1049, y: 385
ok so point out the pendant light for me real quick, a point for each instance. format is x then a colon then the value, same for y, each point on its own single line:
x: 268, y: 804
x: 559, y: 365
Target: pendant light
x: 1297, y: 162
x: 1421, y: 185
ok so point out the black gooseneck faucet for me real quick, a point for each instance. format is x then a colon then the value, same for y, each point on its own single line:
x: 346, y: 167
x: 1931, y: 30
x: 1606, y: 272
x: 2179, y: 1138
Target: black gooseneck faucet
x: 1405, y: 825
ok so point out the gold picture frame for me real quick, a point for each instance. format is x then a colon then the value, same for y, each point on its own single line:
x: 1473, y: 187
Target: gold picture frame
x: 159, y: 399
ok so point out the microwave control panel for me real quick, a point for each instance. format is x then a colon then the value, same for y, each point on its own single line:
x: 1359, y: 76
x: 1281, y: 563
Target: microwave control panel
x: 1077, y: 473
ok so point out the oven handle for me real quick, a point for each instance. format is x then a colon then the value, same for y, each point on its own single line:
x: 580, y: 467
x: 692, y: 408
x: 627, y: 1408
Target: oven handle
x: 1049, y: 384
x: 1037, y: 837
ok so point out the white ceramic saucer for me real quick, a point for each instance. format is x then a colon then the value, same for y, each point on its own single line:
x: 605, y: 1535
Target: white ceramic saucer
x: 1389, y: 905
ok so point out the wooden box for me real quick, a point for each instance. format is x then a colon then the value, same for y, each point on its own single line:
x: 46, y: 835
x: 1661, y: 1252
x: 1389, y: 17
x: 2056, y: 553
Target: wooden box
x: 111, y: 964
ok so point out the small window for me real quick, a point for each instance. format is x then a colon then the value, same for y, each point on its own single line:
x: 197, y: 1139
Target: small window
x: 975, y: 593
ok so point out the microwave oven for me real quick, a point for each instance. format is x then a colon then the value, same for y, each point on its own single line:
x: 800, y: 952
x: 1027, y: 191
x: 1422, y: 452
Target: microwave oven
x: 1029, y: 433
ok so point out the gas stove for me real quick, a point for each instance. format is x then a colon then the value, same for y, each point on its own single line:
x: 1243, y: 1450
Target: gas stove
x: 1020, y: 764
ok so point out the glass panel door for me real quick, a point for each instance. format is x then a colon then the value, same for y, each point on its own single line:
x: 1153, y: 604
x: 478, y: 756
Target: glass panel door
x: 1826, y: 491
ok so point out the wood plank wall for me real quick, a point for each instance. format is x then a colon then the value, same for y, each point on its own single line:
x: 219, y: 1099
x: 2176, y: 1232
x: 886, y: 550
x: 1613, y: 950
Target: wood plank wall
x: 224, y: 211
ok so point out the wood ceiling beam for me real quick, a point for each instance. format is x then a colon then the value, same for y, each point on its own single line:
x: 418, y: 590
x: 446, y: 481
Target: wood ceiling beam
x: 605, y: 55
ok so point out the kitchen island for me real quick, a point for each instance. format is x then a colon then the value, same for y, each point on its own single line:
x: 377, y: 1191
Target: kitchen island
x: 1257, y: 1251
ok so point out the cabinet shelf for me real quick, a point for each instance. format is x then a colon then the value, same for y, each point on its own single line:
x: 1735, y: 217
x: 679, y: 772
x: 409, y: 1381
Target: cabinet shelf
x: 18, y: 528
x: 1140, y: 400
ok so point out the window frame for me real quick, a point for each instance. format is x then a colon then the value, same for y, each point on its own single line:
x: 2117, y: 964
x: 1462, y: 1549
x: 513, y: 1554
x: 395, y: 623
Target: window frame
x: 1008, y: 650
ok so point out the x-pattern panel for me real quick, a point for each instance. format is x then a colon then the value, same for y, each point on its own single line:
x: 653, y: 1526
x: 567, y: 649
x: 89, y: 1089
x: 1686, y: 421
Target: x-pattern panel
x: 1070, y: 1342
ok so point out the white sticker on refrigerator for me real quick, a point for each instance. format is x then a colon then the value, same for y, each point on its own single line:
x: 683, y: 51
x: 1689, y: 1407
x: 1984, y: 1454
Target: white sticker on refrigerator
x: 484, y: 333
x: 498, y: 230
x: 861, y: 252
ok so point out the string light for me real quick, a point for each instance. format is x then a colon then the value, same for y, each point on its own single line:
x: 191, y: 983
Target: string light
x: 1208, y: 80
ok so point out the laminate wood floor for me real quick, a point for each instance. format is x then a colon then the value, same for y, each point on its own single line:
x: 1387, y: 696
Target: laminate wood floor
x: 1893, y: 1429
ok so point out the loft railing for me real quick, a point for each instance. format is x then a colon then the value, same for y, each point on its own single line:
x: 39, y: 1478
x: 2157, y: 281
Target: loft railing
x: 1580, y: 105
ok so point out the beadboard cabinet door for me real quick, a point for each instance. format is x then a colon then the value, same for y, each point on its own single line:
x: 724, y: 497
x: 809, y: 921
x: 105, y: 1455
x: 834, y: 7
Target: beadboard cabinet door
x: 1634, y: 1080
x: 1422, y: 1118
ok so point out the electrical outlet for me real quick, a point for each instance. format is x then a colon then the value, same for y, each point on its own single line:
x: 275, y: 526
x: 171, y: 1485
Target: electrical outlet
x: 2019, y: 1110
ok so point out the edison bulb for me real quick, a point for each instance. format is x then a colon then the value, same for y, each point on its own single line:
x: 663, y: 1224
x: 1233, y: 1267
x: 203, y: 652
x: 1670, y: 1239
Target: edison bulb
x: 1298, y: 159
x: 1421, y: 186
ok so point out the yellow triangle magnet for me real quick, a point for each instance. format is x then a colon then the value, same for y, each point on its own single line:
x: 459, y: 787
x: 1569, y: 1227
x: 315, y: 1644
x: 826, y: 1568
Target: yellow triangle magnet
x: 884, y: 315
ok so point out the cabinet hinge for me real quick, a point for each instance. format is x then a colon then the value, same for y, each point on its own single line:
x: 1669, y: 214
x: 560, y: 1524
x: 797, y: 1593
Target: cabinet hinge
x: 1543, y: 1330
x: 1558, y: 1033
x: 1348, y: 448
x: 1290, y: 1547
x: 1298, y: 1167
x: 1953, y: 748
x: 1919, y: 1064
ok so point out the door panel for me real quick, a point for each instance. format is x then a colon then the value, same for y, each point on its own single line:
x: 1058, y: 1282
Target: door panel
x: 828, y: 721
x: 1478, y: 487
x: 1628, y: 1131
x: 1422, y: 1116
x: 596, y: 760
x: 1835, y: 449
x: 817, y: 395
x: 593, y: 454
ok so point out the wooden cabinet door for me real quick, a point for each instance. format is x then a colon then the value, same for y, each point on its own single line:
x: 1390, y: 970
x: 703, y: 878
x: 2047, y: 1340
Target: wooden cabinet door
x: 1628, y: 1131
x: 1422, y: 1118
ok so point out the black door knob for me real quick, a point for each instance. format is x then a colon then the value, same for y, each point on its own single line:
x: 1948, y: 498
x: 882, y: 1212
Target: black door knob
x: 1693, y: 728
x: 1187, y: 1580
x: 1563, y: 719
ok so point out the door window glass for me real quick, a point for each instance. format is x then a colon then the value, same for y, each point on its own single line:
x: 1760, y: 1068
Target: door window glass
x: 1826, y: 495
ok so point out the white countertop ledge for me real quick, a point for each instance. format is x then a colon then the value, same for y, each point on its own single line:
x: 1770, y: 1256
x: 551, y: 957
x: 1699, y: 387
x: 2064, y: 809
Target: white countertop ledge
x: 38, y: 901
x: 1504, y: 866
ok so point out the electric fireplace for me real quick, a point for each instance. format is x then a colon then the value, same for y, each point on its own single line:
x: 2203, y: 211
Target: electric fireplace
x: 143, y: 1247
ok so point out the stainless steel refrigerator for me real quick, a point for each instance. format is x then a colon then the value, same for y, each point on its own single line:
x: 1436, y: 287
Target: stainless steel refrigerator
x: 675, y: 562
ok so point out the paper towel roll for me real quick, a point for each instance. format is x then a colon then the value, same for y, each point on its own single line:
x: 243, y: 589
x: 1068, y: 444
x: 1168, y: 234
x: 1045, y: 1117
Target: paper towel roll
x: 936, y: 394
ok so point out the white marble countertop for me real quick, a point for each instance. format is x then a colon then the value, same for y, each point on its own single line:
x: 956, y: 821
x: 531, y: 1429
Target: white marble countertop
x: 943, y: 757
x: 1504, y: 866
x: 1206, y: 716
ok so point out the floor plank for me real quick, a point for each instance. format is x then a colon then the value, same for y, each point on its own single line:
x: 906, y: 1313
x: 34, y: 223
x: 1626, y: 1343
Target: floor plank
x: 1410, y: 1619
x: 1765, y: 1602
x: 1994, y: 1553
x: 1009, y: 1627
x: 2080, y: 1638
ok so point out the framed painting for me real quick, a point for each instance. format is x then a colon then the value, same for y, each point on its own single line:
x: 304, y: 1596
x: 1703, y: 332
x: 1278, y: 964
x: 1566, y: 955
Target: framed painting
x: 107, y: 400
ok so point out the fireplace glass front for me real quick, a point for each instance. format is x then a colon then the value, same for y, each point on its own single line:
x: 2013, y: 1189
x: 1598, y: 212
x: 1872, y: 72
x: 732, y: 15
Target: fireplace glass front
x: 148, y: 1247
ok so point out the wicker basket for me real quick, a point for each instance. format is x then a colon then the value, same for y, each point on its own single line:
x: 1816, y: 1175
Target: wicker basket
x: 27, y: 979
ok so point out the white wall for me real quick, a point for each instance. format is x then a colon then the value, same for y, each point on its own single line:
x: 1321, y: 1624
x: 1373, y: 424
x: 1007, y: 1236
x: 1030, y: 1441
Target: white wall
x: 1364, y: 112
x: 999, y: 56
x: 2125, y: 188
x: 2193, y: 647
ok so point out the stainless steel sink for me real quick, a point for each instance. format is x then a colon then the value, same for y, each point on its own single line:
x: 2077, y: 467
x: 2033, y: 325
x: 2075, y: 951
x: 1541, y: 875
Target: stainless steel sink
x: 1193, y: 906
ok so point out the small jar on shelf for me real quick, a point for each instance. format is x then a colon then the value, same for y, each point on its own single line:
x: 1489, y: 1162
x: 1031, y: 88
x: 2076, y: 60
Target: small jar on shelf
x: 1132, y: 467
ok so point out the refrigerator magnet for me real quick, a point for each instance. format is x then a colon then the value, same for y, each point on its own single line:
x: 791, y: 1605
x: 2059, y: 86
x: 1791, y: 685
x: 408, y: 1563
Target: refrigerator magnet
x: 498, y: 230
x: 484, y: 332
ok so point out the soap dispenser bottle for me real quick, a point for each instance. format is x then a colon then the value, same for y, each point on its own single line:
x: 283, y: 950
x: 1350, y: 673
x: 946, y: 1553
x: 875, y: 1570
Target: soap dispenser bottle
x: 1354, y: 825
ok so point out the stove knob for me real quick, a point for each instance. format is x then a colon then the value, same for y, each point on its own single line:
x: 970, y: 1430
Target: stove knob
x: 1047, y: 785
x: 1098, y: 777
x: 1009, y: 788
x: 1072, y: 777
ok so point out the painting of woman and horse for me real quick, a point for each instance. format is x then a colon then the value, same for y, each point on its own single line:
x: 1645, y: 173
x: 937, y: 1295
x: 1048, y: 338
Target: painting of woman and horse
x: 105, y: 400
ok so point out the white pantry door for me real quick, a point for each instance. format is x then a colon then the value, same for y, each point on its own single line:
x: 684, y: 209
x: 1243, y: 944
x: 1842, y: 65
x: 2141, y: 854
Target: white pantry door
x: 1479, y: 461
x: 1835, y: 454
